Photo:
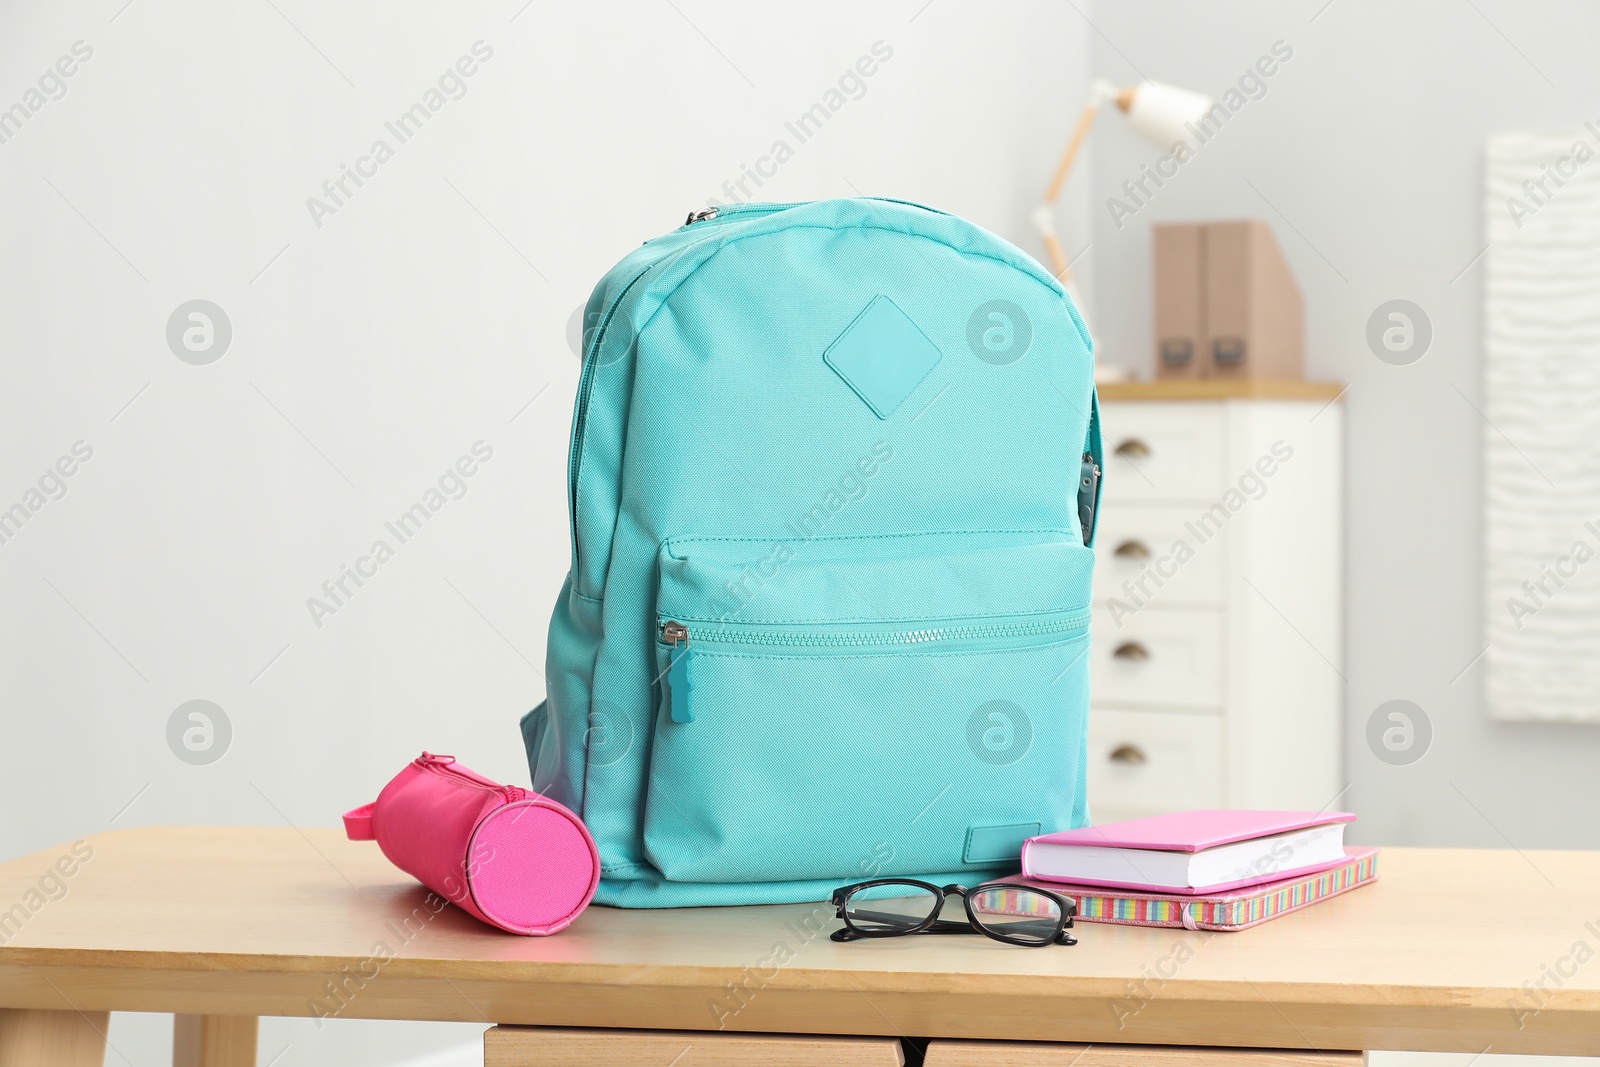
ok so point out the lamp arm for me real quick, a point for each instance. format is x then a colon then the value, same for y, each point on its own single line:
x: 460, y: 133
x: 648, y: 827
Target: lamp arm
x: 1044, y: 215
x: 1100, y: 92
x: 1080, y: 134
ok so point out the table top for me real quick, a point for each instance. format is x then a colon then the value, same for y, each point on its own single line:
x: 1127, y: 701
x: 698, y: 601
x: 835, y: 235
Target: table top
x: 267, y: 921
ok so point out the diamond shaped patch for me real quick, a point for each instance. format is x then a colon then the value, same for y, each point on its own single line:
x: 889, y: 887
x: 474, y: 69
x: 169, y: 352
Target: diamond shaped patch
x: 882, y: 356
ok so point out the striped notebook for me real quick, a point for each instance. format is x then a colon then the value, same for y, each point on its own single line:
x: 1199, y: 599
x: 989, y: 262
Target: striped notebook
x: 1235, y: 909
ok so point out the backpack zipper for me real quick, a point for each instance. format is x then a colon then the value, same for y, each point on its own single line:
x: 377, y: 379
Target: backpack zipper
x: 586, y: 378
x: 731, y: 210
x: 676, y: 633
x: 1088, y: 494
x: 680, y: 659
x: 581, y: 416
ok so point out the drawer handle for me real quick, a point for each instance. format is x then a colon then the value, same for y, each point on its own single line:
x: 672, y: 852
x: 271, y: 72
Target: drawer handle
x: 1130, y: 754
x: 1133, y: 448
x: 1131, y: 650
x: 1132, y: 550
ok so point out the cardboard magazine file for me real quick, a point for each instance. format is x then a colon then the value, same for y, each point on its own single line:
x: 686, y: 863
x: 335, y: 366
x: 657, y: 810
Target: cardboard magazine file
x: 1180, y: 300
x: 1224, y: 293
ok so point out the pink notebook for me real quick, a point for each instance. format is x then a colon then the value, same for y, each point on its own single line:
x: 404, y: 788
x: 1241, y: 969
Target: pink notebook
x: 1127, y: 855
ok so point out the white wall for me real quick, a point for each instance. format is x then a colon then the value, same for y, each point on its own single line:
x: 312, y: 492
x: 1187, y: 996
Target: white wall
x: 371, y: 352
x: 1365, y: 154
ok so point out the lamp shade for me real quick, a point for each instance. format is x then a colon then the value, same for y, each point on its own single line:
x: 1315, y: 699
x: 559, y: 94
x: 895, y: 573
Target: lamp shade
x: 1164, y: 113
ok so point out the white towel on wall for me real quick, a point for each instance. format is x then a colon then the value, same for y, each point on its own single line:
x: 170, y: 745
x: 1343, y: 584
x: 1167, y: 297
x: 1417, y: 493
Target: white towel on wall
x: 1541, y: 395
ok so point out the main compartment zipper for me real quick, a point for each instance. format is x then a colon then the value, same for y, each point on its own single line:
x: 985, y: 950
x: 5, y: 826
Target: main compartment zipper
x: 447, y: 766
x: 580, y: 417
x: 681, y: 642
x: 586, y: 377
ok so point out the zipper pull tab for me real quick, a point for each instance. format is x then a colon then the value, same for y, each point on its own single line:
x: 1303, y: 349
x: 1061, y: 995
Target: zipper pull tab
x: 703, y: 215
x: 1088, y: 495
x: 428, y: 759
x: 680, y: 660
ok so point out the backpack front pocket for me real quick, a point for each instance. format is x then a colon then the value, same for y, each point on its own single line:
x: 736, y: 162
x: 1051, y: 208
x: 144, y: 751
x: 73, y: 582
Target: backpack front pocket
x: 850, y: 707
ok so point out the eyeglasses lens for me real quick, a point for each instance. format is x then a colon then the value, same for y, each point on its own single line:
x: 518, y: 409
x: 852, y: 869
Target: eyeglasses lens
x: 887, y: 908
x: 1022, y: 914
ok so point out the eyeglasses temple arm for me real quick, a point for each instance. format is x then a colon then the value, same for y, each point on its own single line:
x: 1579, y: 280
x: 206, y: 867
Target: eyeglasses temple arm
x: 940, y: 926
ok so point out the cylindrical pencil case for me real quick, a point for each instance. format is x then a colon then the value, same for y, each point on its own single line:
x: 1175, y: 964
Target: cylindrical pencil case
x: 506, y: 855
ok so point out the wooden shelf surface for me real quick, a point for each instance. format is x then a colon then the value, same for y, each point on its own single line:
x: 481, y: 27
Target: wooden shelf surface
x: 1222, y: 389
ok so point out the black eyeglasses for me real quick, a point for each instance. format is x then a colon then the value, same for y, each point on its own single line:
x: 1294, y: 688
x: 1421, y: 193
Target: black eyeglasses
x: 1015, y: 914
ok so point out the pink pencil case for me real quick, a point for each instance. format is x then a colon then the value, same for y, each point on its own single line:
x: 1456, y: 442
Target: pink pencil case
x: 501, y: 853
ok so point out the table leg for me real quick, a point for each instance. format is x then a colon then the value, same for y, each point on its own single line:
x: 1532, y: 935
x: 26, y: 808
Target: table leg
x: 33, y: 1038
x: 214, y: 1040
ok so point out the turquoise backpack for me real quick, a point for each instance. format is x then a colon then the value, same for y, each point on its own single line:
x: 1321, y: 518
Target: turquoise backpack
x: 832, y: 490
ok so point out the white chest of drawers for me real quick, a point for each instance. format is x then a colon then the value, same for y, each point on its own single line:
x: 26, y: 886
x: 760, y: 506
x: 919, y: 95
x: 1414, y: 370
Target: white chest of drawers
x: 1218, y: 654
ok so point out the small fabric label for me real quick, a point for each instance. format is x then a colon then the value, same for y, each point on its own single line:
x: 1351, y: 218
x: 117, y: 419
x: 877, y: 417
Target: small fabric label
x: 998, y: 844
x: 882, y: 356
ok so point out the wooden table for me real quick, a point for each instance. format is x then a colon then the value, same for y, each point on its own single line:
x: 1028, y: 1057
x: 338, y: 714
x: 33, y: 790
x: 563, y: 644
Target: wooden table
x: 223, y: 925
